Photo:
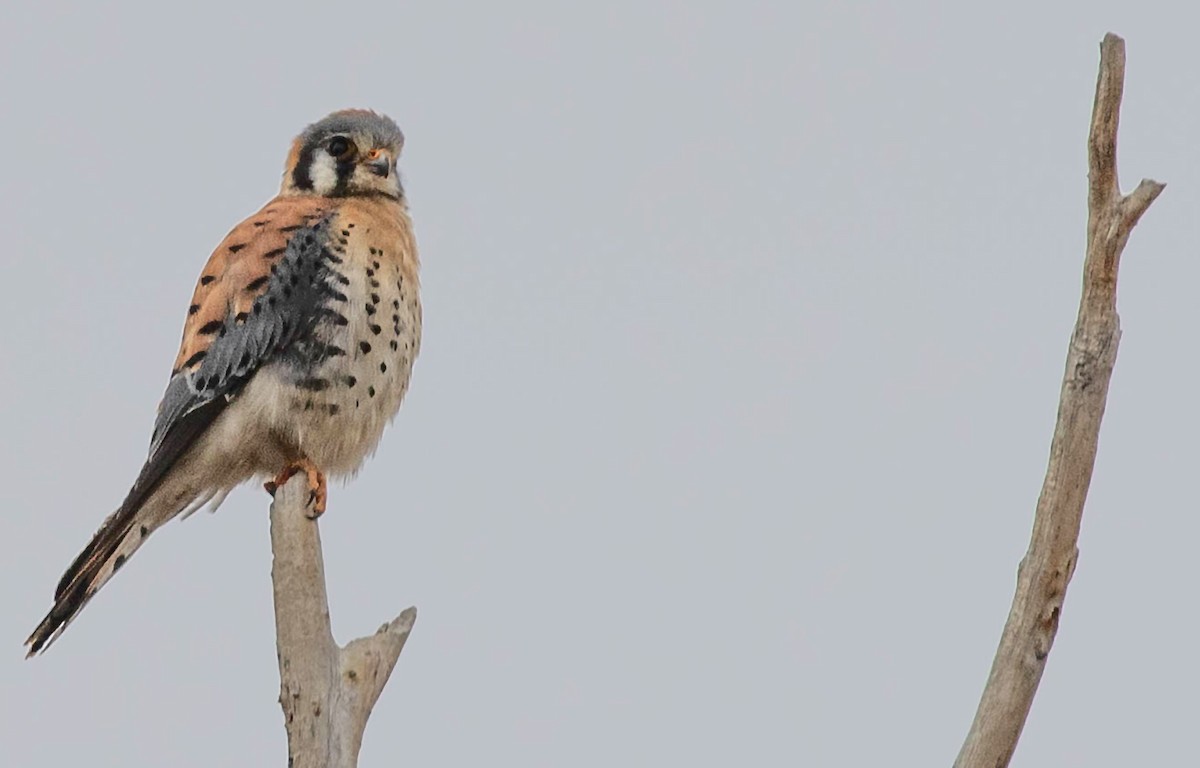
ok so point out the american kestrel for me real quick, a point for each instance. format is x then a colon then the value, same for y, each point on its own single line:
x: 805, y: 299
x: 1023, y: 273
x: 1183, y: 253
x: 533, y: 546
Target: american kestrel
x: 297, y: 348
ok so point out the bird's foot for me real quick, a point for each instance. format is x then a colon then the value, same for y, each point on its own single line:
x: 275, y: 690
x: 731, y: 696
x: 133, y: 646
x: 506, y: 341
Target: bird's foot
x: 318, y: 489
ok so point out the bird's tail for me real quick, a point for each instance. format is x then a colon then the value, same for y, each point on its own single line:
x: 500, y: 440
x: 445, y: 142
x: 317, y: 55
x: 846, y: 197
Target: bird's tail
x: 116, y: 541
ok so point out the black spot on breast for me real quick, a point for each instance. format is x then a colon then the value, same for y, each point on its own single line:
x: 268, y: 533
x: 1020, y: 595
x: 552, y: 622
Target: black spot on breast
x: 370, y: 309
x: 375, y: 329
x: 374, y: 283
x: 374, y: 298
x: 337, y: 295
x: 256, y: 283
x: 395, y: 304
x: 393, y: 345
x: 383, y: 367
x: 212, y: 326
x: 118, y: 562
x: 371, y: 391
x: 313, y: 384
x: 370, y: 272
x: 343, y: 279
x: 333, y: 409
x: 351, y: 381
x: 336, y: 317
x: 365, y: 347
x: 375, y: 263
x: 346, y: 232
x: 143, y: 531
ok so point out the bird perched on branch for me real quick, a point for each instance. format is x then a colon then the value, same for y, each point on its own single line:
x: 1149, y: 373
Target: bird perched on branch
x: 297, y: 348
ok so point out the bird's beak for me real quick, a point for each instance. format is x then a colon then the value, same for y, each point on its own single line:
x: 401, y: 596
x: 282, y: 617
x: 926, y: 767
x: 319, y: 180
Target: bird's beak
x: 380, y: 165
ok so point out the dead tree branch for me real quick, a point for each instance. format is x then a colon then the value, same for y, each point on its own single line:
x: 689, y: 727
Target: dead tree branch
x: 1047, y: 567
x: 326, y: 692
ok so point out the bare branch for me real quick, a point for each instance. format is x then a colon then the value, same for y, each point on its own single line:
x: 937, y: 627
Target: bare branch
x: 327, y: 693
x: 1106, y: 114
x: 1138, y: 201
x: 1048, y: 565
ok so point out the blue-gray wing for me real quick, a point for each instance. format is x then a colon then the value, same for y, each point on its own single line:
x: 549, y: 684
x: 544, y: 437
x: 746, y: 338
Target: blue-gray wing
x: 249, y: 318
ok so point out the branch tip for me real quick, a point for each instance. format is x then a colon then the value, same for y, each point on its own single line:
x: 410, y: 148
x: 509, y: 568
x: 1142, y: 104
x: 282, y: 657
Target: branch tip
x: 402, y: 624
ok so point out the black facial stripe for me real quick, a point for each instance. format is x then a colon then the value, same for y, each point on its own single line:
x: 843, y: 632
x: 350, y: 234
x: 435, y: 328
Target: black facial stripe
x: 344, y: 173
x: 302, y: 175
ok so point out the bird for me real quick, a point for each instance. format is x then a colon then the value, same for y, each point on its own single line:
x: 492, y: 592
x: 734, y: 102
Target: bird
x: 297, y: 350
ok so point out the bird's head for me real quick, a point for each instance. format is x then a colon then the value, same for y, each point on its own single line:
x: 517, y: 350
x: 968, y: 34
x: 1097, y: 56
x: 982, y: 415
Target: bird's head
x: 351, y: 152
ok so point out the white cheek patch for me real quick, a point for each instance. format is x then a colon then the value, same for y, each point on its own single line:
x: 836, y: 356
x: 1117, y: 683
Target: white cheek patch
x: 323, y: 173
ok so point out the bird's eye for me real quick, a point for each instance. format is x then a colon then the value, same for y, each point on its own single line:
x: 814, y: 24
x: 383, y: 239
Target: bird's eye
x: 342, y: 148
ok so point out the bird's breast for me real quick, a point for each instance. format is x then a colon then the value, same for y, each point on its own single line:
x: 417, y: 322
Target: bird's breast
x: 335, y: 397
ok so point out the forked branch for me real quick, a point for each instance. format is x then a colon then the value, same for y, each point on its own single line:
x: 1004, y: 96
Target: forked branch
x: 1048, y: 565
x: 326, y: 692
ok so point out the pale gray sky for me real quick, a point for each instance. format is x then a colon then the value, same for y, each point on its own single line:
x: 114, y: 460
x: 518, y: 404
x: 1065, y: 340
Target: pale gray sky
x: 744, y: 330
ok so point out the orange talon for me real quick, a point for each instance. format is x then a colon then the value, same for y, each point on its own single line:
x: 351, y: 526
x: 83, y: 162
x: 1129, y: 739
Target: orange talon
x: 318, y: 490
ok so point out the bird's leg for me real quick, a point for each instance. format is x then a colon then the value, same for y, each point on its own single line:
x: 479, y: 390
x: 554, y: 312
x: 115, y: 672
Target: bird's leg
x: 317, y: 487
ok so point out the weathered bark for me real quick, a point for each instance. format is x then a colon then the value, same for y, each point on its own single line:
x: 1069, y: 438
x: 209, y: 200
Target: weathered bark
x: 326, y: 692
x: 1049, y: 563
